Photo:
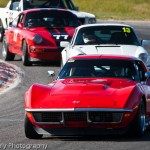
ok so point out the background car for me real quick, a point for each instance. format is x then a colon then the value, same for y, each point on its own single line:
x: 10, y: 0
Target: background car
x: 14, y: 7
x: 36, y: 34
x: 93, y: 94
x: 119, y: 39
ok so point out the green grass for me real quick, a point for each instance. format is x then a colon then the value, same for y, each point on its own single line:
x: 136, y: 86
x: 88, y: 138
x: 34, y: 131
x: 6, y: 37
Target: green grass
x: 116, y: 9
x: 3, y: 3
x: 112, y: 9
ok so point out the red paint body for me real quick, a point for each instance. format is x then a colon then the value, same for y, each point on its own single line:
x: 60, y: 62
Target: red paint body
x: 49, y: 48
x: 69, y: 94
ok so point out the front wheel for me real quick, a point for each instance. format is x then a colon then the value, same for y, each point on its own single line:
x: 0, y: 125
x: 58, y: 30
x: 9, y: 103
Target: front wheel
x: 138, y: 126
x: 29, y: 130
x: 25, y: 56
x: 6, y: 54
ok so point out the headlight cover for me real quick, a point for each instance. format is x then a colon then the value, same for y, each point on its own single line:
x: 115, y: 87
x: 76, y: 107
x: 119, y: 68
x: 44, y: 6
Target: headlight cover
x: 143, y: 57
x: 37, y: 39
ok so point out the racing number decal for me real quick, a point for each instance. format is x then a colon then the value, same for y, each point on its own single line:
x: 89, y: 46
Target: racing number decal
x: 127, y: 30
x: 57, y: 37
x: 15, y: 35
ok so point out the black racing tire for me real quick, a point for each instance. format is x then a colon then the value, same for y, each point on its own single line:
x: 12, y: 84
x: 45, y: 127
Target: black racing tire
x: 138, y: 125
x: 25, y: 55
x: 6, y: 54
x: 29, y: 130
x: 1, y: 31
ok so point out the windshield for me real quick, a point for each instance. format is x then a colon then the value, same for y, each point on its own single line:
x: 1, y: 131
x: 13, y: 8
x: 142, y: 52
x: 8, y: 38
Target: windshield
x: 106, y: 35
x: 95, y: 68
x: 65, y: 4
x: 50, y: 18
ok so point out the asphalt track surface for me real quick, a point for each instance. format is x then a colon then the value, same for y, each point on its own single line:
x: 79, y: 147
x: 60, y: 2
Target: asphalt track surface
x: 12, y: 114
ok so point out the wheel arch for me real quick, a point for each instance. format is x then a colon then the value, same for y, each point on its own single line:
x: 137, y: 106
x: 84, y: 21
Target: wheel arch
x: 22, y: 42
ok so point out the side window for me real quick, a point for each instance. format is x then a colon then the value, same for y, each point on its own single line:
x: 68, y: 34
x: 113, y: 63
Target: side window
x: 14, y: 5
x: 15, y: 22
x: 141, y: 70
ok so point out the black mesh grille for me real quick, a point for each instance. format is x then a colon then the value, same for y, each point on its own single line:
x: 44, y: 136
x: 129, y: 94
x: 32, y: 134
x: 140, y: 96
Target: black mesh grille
x: 52, y: 117
x: 75, y: 116
x: 48, y: 117
x: 100, y: 116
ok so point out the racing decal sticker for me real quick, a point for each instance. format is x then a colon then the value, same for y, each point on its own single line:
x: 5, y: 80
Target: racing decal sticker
x: 58, y: 37
x: 16, y: 32
x: 126, y: 29
x: 61, y: 34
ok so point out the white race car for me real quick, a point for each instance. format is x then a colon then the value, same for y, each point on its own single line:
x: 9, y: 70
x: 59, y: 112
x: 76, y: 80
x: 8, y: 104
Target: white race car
x: 105, y: 39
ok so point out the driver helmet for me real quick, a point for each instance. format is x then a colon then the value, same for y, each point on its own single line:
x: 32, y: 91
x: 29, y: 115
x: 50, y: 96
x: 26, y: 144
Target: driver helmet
x: 89, y: 37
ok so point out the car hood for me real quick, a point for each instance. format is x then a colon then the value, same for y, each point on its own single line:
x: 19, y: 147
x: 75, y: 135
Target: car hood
x: 131, y: 50
x: 52, y: 35
x: 83, y: 93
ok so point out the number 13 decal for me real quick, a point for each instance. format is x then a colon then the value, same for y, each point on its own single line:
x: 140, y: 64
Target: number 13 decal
x: 126, y: 29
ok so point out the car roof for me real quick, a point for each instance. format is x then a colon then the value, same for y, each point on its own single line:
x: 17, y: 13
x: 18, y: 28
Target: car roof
x: 104, y: 56
x: 45, y: 9
x: 104, y: 24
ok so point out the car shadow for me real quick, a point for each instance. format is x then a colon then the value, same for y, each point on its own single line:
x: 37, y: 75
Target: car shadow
x: 116, y: 138
x: 46, y: 63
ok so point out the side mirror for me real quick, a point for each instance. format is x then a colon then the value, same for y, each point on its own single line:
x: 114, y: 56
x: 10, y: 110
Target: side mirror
x: 20, y: 25
x: 51, y: 73
x: 146, y: 44
x: 64, y: 43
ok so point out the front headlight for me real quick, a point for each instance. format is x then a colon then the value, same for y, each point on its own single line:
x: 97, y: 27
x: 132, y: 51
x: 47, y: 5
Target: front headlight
x: 92, y: 20
x: 143, y: 57
x: 37, y: 39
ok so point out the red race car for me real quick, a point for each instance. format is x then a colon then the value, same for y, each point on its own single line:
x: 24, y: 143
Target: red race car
x: 36, y: 34
x: 93, y: 94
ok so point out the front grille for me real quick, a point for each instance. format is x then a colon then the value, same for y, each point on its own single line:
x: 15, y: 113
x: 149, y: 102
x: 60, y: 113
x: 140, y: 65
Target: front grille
x: 100, y: 116
x: 48, y: 116
x: 93, y: 116
x: 75, y: 116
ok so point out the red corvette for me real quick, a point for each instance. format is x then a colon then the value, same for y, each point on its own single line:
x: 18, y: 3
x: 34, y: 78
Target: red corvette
x: 93, y: 94
x: 36, y: 34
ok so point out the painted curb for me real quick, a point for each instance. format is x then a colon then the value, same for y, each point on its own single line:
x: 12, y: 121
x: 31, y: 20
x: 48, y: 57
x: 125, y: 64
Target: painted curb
x: 10, y: 76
